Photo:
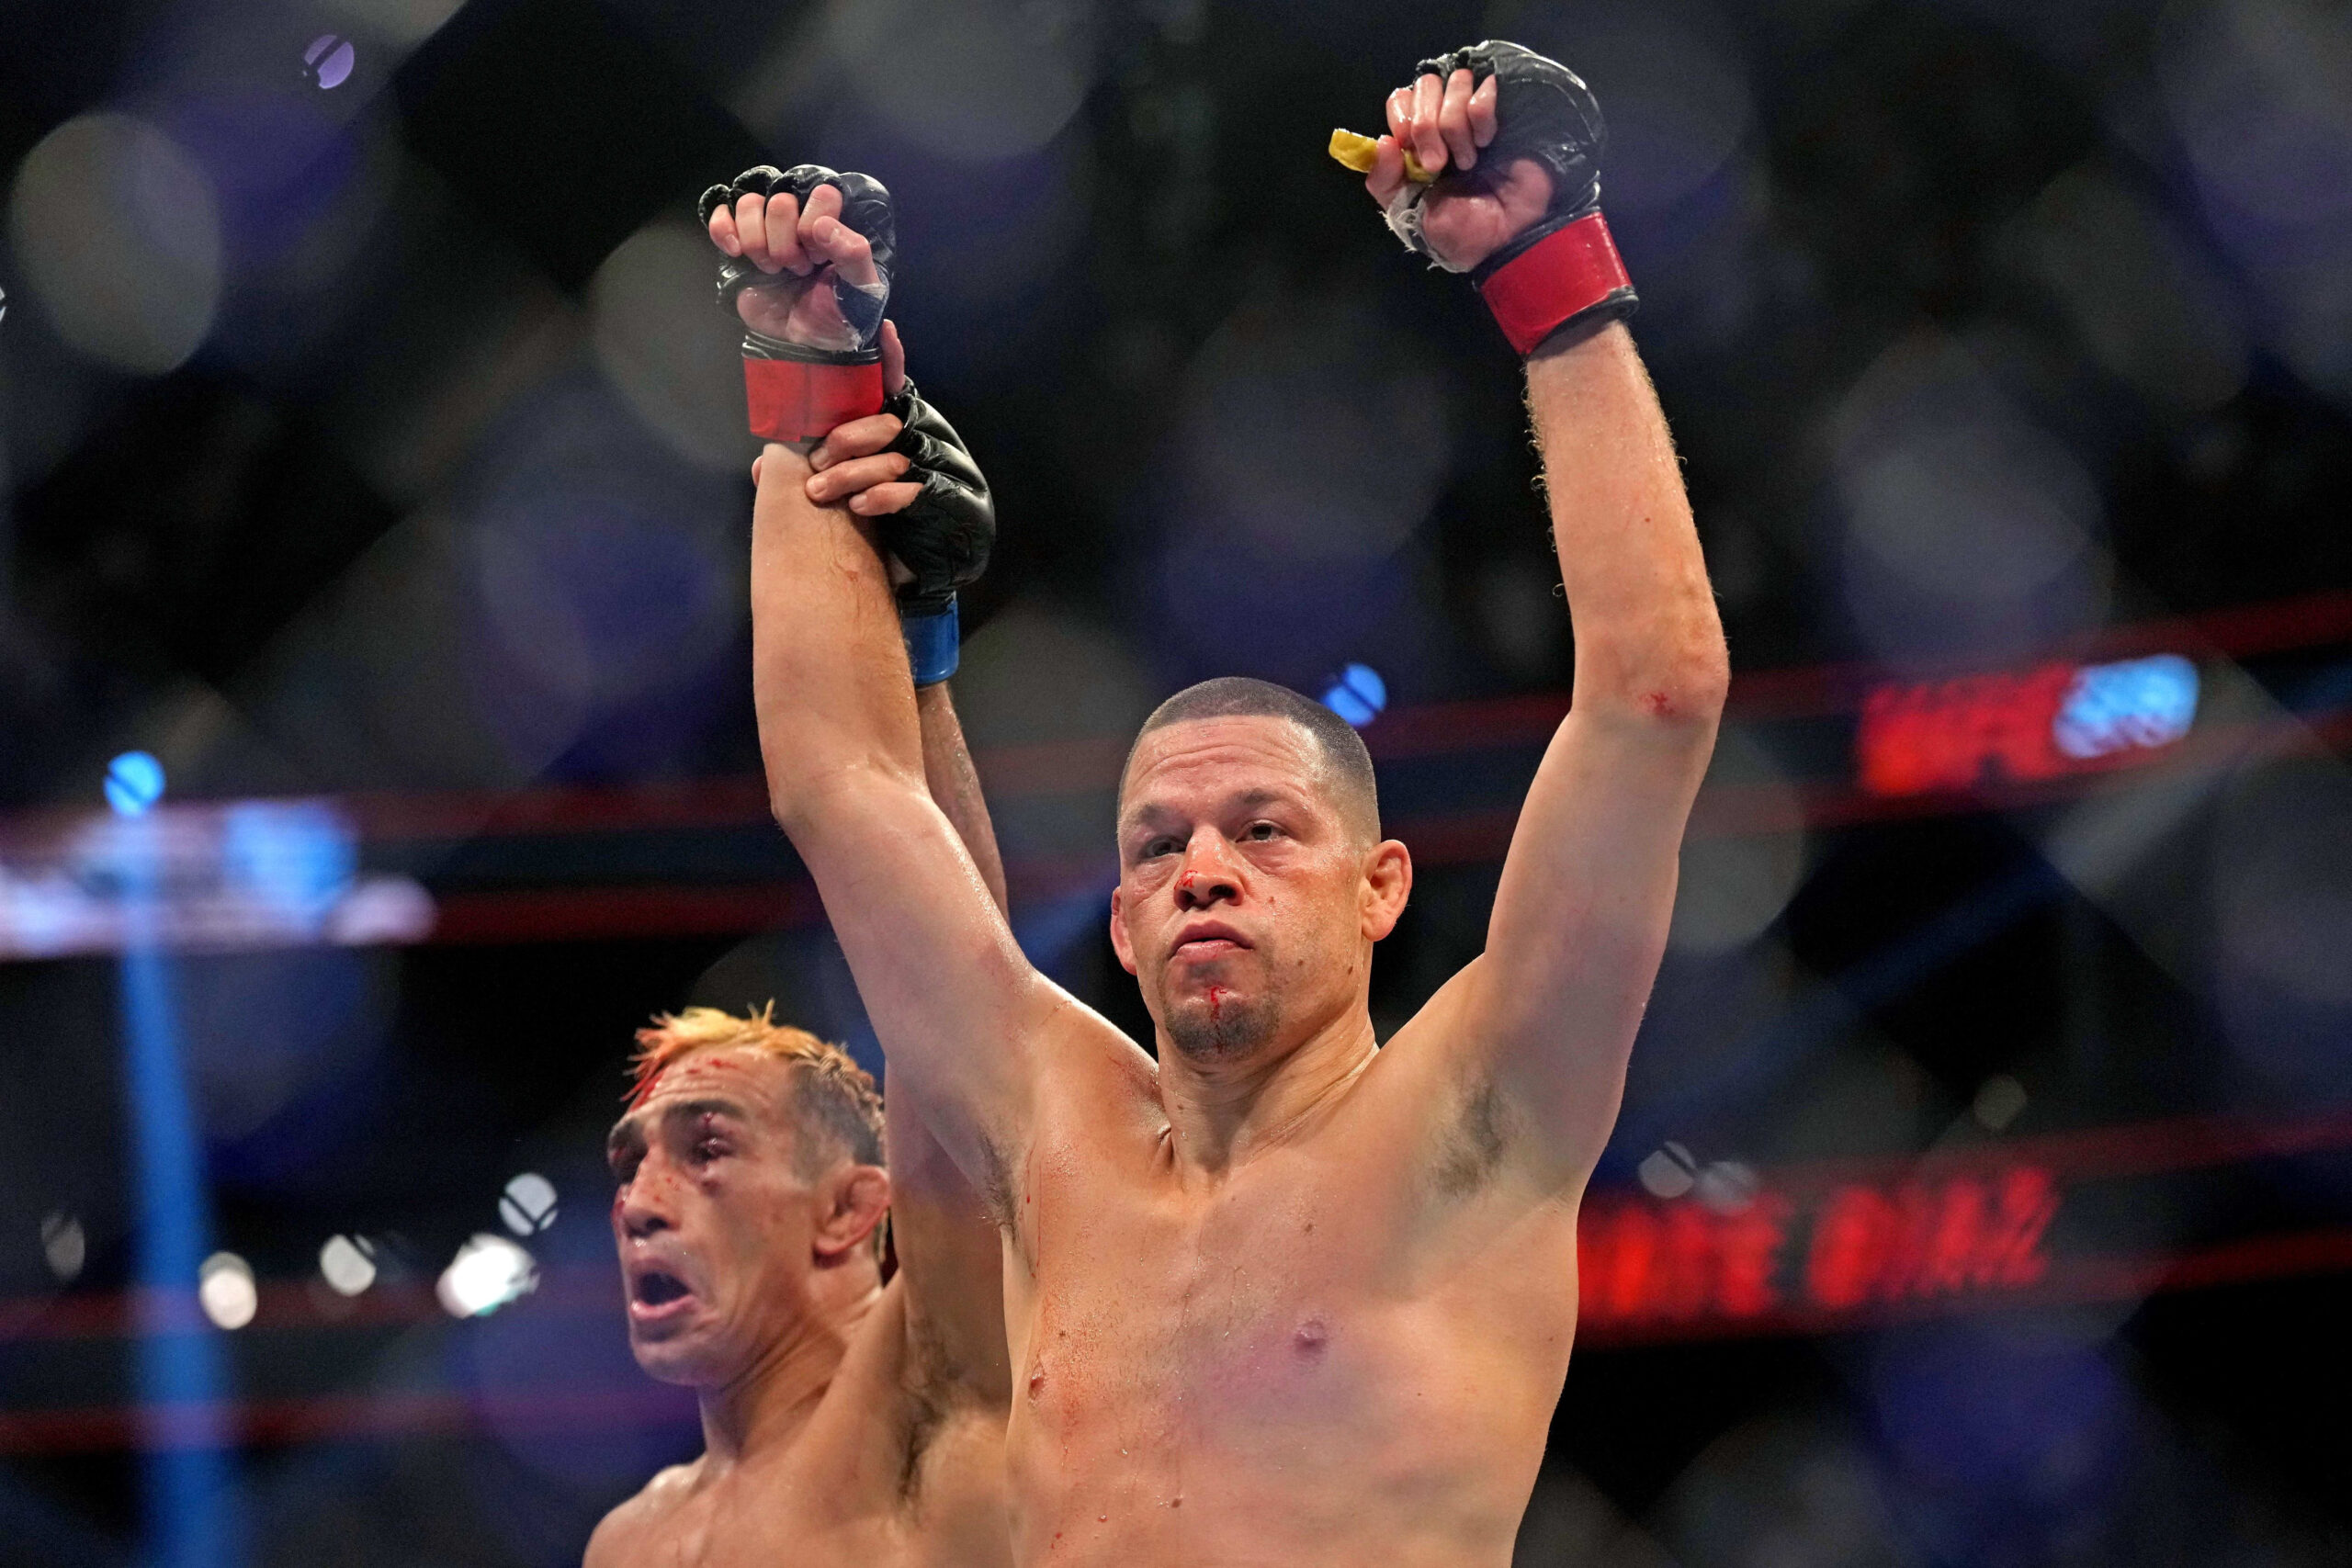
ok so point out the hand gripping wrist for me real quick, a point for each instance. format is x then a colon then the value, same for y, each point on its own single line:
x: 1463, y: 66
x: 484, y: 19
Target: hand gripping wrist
x: 943, y: 536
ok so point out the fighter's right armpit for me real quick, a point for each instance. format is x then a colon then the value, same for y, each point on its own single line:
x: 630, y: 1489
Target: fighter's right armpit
x: 796, y: 391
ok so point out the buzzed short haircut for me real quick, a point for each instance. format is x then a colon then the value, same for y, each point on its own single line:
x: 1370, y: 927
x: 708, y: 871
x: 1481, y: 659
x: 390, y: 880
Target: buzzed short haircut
x: 1354, y: 789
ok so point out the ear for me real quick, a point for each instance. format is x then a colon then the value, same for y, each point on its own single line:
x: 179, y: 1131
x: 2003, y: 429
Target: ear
x: 1387, y: 883
x: 1119, y: 944
x: 850, y: 1202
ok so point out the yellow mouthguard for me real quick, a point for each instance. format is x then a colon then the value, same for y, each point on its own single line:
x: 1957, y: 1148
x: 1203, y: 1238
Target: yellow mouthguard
x: 1359, y: 152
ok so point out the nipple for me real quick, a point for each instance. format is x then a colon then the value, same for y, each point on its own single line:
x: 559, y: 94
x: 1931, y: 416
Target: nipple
x: 1036, y: 1383
x: 1310, y: 1338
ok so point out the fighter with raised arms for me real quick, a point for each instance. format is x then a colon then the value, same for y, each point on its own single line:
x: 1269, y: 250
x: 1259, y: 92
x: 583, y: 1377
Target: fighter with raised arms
x: 1285, y: 1295
x: 849, y: 1418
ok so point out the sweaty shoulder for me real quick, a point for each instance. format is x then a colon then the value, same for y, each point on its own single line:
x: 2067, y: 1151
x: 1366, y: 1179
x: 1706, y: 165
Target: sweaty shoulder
x: 621, y: 1536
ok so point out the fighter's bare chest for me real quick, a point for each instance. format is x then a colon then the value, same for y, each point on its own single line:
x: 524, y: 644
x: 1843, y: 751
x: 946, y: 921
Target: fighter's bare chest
x: 832, y: 1510
x: 1275, y: 1289
x: 768, y: 1520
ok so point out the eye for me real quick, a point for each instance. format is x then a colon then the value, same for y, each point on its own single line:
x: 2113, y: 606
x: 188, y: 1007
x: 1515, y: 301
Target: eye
x: 1163, y: 845
x: 1258, y: 832
x: 625, y: 1167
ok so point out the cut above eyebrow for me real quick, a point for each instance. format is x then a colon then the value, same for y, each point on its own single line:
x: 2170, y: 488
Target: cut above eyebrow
x: 631, y: 1128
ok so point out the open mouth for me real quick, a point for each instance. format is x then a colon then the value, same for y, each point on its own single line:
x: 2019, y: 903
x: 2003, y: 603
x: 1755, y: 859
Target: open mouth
x: 655, y: 1289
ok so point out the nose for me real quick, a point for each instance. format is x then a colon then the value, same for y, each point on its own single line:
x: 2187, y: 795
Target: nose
x: 1208, y: 876
x: 638, y: 1207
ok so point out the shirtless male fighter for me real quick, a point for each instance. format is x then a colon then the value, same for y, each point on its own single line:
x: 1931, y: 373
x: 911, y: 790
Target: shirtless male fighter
x: 1287, y: 1296
x: 846, y: 1421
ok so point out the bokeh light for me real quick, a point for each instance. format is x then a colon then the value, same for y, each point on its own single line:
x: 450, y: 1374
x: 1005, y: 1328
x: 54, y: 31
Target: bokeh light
x: 664, y: 345
x: 64, y: 1246
x: 398, y: 23
x: 1312, y: 433
x: 528, y: 1205
x: 2282, y: 869
x: 1740, y: 874
x: 226, y: 1290
x: 2000, y: 1099
x: 328, y: 61
x: 1971, y: 531
x: 971, y: 79
x: 347, y: 1263
x: 1358, y: 694
x: 1667, y: 1171
x: 134, y: 783
x: 118, y: 232
x: 2150, y: 306
x: 2260, y: 94
x: 1673, y: 86
x: 487, y: 1272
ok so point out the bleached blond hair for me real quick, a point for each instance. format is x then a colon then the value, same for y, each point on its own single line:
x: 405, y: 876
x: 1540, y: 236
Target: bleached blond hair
x: 834, y: 1098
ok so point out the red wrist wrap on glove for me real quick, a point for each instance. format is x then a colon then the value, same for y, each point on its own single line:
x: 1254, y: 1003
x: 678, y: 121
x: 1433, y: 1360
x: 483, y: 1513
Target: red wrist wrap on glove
x: 1557, y: 278
x: 792, y: 399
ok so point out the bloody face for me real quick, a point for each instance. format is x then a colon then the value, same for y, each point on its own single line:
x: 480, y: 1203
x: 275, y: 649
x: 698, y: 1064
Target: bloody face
x: 712, y: 1218
x: 1241, y: 900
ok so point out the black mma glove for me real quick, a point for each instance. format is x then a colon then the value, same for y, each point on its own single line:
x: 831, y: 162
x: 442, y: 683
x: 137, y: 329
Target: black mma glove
x: 797, y: 391
x: 1562, y: 270
x: 941, y: 538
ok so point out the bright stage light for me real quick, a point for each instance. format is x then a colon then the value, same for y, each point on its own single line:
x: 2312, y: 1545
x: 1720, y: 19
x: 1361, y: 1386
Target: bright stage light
x: 347, y: 1263
x: 134, y: 783
x: 1357, y: 695
x: 225, y: 1289
x: 527, y: 1206
x: 488, y: 1272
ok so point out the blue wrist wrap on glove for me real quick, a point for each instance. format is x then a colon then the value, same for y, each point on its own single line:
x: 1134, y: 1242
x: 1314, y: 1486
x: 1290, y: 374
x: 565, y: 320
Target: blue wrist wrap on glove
x: 934, y: 644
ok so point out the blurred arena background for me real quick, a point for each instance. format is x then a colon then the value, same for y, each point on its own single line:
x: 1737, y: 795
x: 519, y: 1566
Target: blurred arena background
x: 376, y: 749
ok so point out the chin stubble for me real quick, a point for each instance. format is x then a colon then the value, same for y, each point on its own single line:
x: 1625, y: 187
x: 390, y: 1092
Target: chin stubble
x: 1226, y: 1026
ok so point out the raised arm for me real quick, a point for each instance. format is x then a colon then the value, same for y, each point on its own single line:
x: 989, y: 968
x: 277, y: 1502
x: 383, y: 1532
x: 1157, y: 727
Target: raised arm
x: 1546, y: 1016
x: 908, y: 467
x: 958, y: 1007
x: 1580, y: 914
x: 945, y: 1236
x: 954, y: 1003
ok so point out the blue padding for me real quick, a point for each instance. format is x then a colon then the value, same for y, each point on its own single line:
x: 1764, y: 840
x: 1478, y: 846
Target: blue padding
x: 934, y: 644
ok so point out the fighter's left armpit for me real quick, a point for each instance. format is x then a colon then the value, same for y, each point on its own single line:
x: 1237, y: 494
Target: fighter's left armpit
x: 942, y: 537
x: 1563, y: 270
